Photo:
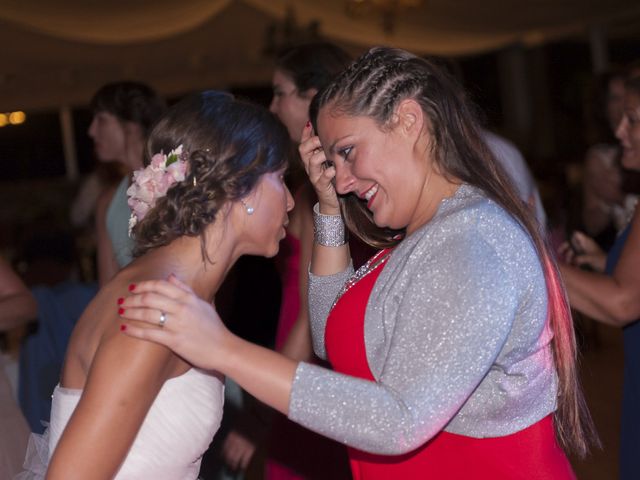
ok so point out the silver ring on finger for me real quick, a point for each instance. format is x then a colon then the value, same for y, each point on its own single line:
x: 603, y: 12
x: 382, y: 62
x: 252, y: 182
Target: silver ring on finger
x: 163, y: 319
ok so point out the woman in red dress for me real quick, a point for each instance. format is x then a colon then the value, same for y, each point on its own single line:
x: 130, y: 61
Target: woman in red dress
x: 452, y: 350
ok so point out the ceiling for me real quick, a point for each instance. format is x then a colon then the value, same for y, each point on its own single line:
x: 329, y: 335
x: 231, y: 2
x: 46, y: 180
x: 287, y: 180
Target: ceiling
x: 58, y: 53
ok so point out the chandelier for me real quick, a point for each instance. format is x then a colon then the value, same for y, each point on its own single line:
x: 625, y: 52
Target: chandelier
x: 387, y: 10
x: 284, y: 34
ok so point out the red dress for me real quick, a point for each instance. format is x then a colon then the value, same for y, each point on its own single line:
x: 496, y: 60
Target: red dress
x: 531, y: 454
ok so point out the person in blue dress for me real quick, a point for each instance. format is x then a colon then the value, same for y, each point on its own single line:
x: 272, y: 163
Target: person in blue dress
x: 613, y: 297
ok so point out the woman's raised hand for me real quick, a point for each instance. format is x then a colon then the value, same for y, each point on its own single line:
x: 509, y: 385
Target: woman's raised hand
x: 583, y: 251
x: 321, y: 172
x: 178, y: 319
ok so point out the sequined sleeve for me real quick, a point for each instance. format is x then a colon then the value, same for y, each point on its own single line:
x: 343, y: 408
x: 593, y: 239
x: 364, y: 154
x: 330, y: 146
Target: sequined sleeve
x: 449, y: 306
x: 323, y: 290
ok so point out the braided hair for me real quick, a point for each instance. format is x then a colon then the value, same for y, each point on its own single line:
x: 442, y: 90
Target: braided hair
x: 374, y: 86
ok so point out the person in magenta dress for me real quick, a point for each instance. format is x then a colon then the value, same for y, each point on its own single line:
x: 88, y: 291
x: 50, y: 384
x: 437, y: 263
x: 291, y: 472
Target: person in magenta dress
x: 299, y: 74
x: 452, y: 349
x: 292, y: 451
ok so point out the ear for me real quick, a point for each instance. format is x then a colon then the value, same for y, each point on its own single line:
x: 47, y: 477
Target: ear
x: 133, y: 130
x: 309, y: 93
x: 409, y: 117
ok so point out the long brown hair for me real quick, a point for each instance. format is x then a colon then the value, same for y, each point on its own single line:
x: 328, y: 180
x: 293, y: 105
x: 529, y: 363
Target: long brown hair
x: 374, y: 86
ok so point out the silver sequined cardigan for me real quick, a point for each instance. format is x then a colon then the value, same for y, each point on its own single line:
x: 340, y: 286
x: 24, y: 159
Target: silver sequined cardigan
x: 456, y: 338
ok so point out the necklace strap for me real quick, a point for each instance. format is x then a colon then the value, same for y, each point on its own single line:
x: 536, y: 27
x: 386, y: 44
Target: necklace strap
x: 374, y: 262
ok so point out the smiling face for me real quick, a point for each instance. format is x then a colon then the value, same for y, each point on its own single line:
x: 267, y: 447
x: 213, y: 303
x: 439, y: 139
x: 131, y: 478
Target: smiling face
x: 628, y: 131
x: 265, y: 226
x: 389, y: 169
x: 290, y: 105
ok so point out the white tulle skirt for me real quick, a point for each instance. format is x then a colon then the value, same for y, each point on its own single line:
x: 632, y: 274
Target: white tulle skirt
x: 36, y: 458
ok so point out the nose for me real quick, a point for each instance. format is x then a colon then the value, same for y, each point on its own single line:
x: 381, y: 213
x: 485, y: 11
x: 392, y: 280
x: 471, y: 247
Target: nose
x: 622, y: 128
x: 272, y: 106
x: 92, y: 128
x: 290, y: 201
x: 344, y: 178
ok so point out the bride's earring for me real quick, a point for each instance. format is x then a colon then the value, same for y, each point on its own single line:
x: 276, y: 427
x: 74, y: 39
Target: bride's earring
x: 248, y: 208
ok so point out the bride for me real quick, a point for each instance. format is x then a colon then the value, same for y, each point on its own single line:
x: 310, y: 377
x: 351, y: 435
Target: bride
x: 127, y: 408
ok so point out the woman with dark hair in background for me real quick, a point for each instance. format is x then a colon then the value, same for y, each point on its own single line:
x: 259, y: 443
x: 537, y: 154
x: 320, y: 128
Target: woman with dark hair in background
x: 292, y: 451
x: 452, y: 347
x: 213, y: 191
x: 123, y: 114
x: 613, y: 297
x: 602, y: 193
x: 300, y: 73
x: 610, y: 190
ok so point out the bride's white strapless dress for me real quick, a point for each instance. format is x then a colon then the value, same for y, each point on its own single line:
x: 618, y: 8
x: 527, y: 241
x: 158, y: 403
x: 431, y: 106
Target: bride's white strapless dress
x: 171, y: 441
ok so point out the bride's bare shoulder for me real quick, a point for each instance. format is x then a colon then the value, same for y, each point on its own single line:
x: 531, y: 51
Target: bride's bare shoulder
x: 98, y: 330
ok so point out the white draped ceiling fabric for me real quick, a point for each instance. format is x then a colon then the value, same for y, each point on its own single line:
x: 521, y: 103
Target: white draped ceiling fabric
x: 59, y: 52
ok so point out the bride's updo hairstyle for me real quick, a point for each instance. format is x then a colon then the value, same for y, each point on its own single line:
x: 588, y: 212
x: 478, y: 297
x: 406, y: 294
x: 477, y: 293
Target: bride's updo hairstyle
x: 227, y: 144
x: 373, y: 87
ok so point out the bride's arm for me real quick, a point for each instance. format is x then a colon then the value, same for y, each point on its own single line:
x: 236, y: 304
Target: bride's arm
x: 124, y: 378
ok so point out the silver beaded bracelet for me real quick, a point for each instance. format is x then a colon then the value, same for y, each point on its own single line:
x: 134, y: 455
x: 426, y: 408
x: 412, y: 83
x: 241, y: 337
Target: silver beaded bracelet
x: 328, y: 230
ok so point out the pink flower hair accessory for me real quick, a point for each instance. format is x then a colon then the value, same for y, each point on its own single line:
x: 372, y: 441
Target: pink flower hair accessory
x: 152, y: 182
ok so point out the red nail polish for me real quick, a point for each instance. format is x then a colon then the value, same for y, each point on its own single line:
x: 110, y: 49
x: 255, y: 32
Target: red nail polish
x: 132, y: 287
x: 120, y: 311
x: 308, y: 123
x: 123, y: 328
x: 120, y: 301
